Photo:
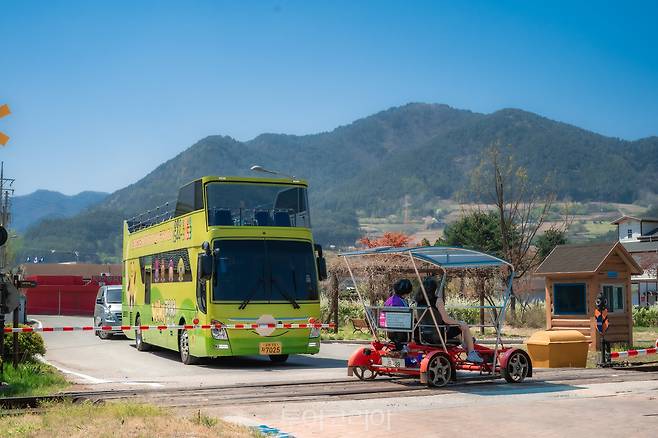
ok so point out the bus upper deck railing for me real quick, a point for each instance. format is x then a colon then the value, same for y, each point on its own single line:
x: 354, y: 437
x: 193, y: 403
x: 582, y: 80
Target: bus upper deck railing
x: 149, y: 218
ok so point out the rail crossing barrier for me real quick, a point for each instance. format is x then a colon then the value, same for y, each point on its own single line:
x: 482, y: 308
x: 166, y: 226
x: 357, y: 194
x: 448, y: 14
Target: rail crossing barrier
x: 634, y: 353
x: 168, y: 327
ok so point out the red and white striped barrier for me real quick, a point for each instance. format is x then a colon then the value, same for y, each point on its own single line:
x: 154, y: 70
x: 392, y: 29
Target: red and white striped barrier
x: 168, y: 327
x: 634, y: 353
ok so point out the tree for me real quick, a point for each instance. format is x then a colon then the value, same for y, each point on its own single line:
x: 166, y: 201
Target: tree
x: 549, y: 240
x: 424, y: 242
x: 394, y: 239
x: 522, y: 206
x: 652, y: 212
x: 478, y: 230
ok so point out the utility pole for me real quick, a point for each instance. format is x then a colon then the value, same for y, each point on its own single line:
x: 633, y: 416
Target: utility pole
x: 6, y: 188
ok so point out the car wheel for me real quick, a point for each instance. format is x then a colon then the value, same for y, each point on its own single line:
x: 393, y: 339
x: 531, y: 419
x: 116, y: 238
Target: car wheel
x: 184, y: 348
x: 279, y: 358
x: 102, y: 333
x: 517, y: 367
x: 139, y: 340
x: 439, y: 371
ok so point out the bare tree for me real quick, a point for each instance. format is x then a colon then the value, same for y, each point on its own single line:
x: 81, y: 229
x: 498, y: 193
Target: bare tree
x: 522, y: 206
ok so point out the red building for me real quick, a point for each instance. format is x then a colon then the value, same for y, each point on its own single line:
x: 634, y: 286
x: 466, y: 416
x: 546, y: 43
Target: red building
x: 66, y: 289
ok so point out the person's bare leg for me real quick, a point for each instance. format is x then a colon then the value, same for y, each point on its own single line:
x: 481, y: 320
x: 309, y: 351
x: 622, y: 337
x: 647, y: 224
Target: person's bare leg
x: 467, y: 336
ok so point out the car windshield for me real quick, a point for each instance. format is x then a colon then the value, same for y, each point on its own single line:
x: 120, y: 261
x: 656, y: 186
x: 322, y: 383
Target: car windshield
x: 252, y: 204
x: 113, y: 295
x: 265, y: 270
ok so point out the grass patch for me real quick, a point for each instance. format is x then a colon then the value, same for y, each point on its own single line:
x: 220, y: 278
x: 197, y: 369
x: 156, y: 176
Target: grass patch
x: 125, y: 419
x: 32, y: 378
x: 345, y: 332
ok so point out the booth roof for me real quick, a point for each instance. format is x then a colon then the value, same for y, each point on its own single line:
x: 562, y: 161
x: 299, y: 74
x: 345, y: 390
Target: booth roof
x: 585, y: 258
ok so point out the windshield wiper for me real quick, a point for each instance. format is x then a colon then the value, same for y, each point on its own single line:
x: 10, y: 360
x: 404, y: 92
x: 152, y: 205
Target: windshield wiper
x: 246, y: 301
x: 290, y: 299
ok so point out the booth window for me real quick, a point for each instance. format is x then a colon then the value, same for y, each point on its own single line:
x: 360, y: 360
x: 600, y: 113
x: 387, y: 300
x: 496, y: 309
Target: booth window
x: 629, y: 233
x: 615, y: 295
x: 569, y: 299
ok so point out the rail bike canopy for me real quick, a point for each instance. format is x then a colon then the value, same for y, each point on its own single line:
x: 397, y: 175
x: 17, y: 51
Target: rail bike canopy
x: 445, y: 257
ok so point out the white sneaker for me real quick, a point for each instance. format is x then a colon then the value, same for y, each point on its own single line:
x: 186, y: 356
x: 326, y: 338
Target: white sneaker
x: 474, y: 356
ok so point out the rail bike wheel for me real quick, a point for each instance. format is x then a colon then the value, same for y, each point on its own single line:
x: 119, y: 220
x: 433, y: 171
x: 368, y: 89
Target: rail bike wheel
x: 517, y: 368
x: 364, y: 373
x: 439, y: 371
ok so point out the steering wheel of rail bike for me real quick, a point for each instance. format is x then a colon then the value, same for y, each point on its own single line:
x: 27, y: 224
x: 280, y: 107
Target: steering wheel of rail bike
x: 517, y: 368
x: 364, y: 373
x: 439, y: 371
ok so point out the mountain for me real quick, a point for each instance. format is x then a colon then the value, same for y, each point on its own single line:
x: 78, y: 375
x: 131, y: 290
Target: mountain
x: 29, y: 209
x: 421, y: 150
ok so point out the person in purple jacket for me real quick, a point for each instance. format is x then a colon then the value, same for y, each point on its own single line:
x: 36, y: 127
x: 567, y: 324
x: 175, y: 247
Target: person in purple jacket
x: 401, y: 289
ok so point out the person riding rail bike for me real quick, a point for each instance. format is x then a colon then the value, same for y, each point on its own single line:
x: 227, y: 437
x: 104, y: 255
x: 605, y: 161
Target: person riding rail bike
x: 454, y: 328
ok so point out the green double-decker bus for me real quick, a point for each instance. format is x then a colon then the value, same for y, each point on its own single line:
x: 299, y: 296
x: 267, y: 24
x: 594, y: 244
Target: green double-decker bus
x: 235, y: 251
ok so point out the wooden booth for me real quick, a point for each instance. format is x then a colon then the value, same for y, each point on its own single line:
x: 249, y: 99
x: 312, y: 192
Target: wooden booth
x: 574, y: 276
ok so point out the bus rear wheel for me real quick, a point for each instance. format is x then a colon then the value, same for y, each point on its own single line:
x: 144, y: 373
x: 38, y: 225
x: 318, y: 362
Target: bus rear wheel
x: 279, y: 358
x: 139, y: 340
x: 184, y: 348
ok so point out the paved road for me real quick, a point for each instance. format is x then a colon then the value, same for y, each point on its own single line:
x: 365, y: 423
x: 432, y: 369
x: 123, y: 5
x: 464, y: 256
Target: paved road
x: 114, y: 363
x: 554, y: 403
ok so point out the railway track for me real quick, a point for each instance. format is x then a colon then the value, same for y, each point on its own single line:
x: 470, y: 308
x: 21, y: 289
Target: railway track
x: 327, y: 390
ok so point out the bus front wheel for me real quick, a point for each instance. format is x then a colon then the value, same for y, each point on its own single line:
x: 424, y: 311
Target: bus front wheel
x: 278, y: 358
x: 184, y: 348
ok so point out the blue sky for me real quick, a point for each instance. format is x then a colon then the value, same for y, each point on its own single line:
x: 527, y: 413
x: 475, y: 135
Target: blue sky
x: 103, y: 92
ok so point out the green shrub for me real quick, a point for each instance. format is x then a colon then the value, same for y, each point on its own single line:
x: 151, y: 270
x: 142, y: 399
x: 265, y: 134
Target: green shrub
x: 29, y: 345
x: 32, y: 378
x: 459, y: 309
x: 347, y: 309
x: 645, y: 316
x: 531, y: 316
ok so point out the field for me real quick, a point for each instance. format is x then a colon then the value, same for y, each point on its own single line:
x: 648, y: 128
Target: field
x: 589, y: 221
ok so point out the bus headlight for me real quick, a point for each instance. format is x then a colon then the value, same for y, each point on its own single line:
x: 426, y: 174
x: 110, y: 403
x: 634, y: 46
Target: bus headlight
x: 218, y: 333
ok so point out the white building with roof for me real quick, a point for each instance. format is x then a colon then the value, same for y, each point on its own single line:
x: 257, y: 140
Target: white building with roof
x: 639, y: 235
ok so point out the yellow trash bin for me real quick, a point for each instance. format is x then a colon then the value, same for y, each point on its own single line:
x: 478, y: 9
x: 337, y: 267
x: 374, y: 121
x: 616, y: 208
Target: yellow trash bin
x: 558, y: 349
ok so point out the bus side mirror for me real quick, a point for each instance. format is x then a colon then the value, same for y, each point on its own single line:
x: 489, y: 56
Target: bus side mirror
x: 205, y: 266
x: 322, y: 268
x: 322, y: 263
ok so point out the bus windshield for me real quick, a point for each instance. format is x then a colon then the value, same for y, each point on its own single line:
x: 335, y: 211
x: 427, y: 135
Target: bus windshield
x: 264, y: 270
x: 257, y: 204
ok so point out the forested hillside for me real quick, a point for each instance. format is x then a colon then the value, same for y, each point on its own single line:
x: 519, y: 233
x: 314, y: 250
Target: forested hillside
x: 28, y: 209
x: 420, y: 150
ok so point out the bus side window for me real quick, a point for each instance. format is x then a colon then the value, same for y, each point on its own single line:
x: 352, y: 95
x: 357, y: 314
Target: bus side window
x: 147, y: 286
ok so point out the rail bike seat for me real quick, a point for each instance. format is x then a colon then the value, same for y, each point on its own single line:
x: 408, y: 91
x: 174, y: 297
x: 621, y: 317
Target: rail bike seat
x: 427, y: 336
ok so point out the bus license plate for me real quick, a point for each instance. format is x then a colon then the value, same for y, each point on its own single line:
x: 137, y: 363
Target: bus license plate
x: 269, y: 348
x: 392, y: 362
